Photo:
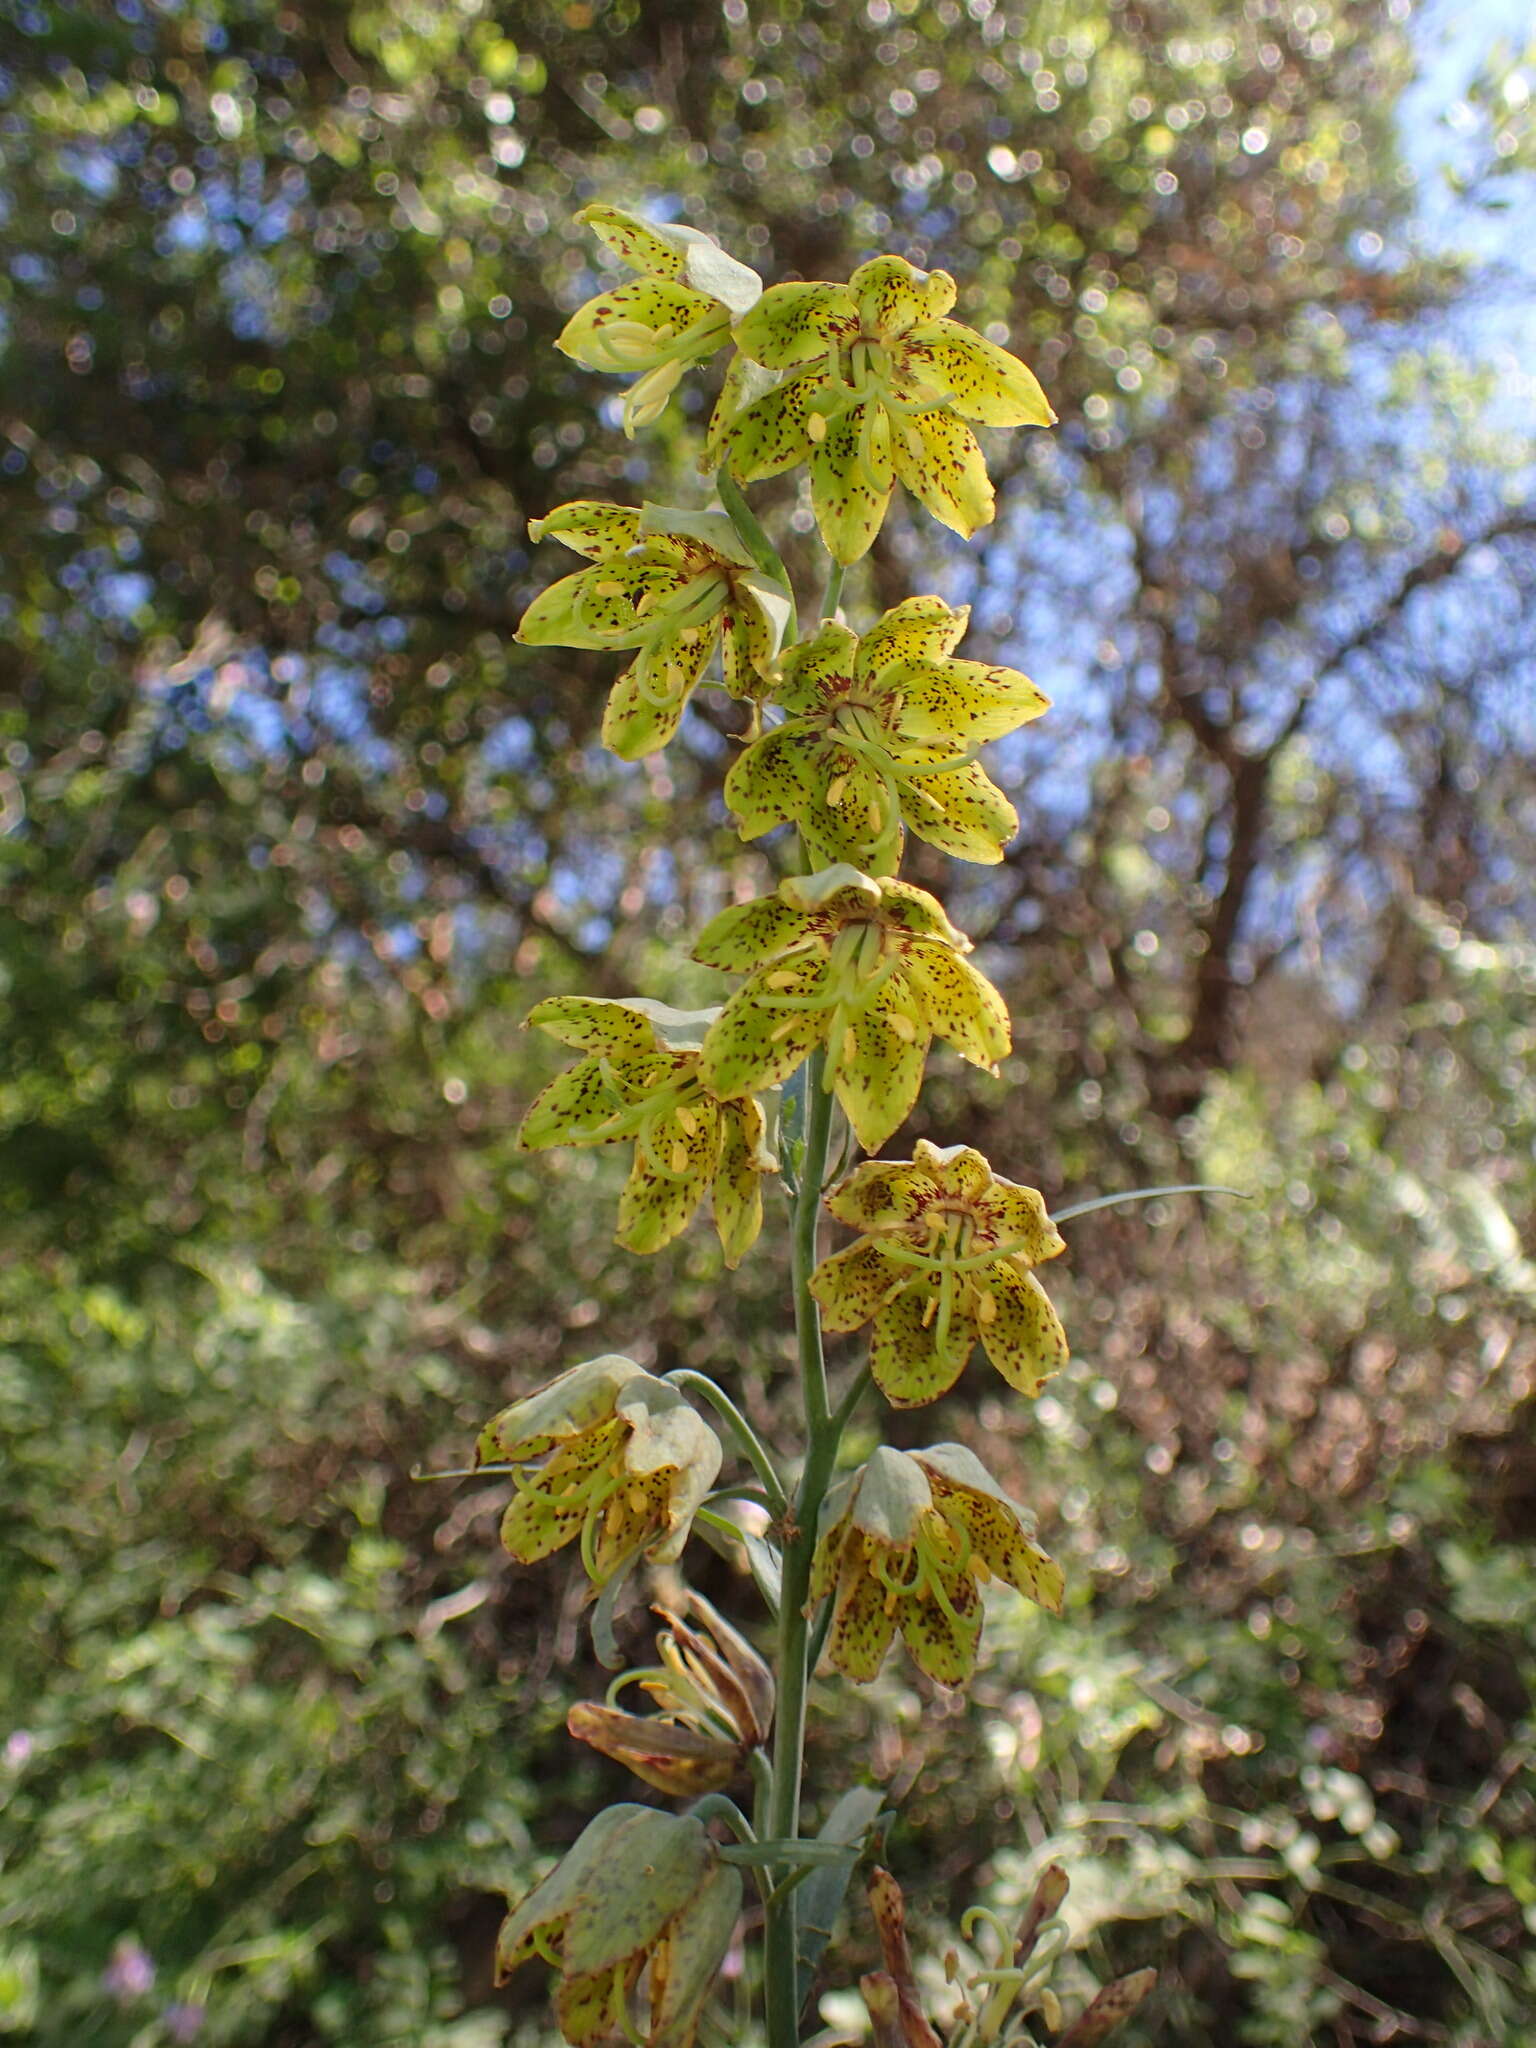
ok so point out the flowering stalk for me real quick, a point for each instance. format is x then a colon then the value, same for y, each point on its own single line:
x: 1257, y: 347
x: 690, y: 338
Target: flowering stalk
x: 856, y: 741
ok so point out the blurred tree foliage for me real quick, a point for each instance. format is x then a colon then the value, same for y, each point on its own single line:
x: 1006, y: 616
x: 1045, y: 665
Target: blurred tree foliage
x: 292, y: 835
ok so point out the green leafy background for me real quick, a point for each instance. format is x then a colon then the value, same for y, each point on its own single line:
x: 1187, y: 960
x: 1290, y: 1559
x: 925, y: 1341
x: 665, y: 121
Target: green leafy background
x: 293, y: 835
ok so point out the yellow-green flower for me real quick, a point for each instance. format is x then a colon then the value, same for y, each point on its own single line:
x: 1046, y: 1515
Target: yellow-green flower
x: 882, y: 732
x: 639, y: 1890
x: 715, y: 1698
x: 906, y: 1544
x: 678, y: 312
x: 608, y: 1456
x: 877, y: 388
x: 672, y: 584
x: 873, y: 970
x: 641, y: 1081
x: 945, y: 1260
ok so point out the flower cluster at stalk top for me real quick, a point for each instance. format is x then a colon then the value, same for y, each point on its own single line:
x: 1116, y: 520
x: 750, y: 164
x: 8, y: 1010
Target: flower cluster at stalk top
x: 641, y: 1081
x: 905, y: 1546
x: 878, y: 387
x: 880, y: 738
x: 873, y: 970
x: 945, y: 1260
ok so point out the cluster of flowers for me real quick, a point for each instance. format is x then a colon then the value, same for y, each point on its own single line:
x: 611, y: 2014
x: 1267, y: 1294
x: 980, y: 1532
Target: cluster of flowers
x: 855, y: 740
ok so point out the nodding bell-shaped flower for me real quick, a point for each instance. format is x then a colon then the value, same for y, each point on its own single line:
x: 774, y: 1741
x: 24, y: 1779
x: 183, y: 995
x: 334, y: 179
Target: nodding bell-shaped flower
x: 607, y: 1456
x: 676, y: 313
x: 640, y: 1081
x: 715, y: 1700
x: 873, y: 970
x: 906, y: 1544
x: 878, y: 386
x: 881, y: 733
x: 640, y: 1893
x: 673, y: 585
x: 945, y: 1260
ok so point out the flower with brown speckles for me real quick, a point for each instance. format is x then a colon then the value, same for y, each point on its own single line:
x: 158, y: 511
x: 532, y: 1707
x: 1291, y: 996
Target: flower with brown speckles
x: 906, y: 1545
x: 878, y: 387
x: 872, y: 970
x: 945, y: 1260
x: 676, y: 313
x: 881, y: 738
x: 641, y: 1081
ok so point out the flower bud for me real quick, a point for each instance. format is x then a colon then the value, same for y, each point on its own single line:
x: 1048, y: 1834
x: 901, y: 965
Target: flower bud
x: 639, y: 1892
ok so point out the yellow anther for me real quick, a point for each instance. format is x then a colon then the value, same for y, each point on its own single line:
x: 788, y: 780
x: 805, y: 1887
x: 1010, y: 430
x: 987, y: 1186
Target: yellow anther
x: 850, y: 1044
x: 835, y: 789
x: 679, y: 1157
x: 688, y: 1121
x: 815, y: 427
x: 903, y: 1027
x: 608, y: 588
x: 930, y: 1310
x: 986, y: 1306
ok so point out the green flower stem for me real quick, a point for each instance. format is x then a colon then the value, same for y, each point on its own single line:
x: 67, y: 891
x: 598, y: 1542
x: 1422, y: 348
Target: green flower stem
x: 834, y: 594
x: 747, y: 1438
x: 753, y: 536
x: 823, y: 1430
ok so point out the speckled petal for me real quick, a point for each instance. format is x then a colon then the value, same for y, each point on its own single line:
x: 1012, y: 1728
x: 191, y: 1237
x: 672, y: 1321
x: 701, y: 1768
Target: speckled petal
x: 963, y: 702
x: 743, y: 384
x: 685, y: 1965
x: 878, y: 1063
x: 882, y: 1193
x: 852, y: 479
x: 573, y: 1109
x: 629, y: 328
x: 962, y: 812
x: 851, y: 815
x: 910, y: 909
x: 745, y: 935
x: 593, y: 1024
x: 1023, y: 1335
x: 893, y: 296
x: 958, y: 1171
x: 852, y: 1284
x: 962, y: 1006
x: 634, y: 241
x: 750, y: 1047
x: 738, y: 1187
x: 944, y: 1649
x: 917, y: 629
x: 771, y: 782
x: 554, y: 619
x: 752, y: 626
x: 910, y: 1366
x: 770, y: 436
x: 938, y: 459
x: 862, y: 1629
x: 655, y: 1207
x: 1000, y: 1539
x: 983, y: 382
x: 1020, y: 1218
x: 793, y: 324
x: 590, y: 527
x: 617, y: 598
x: 646, y: 704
